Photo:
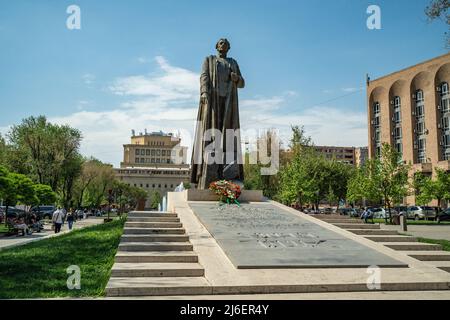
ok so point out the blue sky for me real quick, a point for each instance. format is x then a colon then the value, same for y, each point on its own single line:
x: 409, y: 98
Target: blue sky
x: 135, y: 64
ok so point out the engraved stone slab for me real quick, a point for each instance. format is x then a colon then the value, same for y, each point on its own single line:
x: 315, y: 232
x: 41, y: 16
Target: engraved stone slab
x: 262, y: 235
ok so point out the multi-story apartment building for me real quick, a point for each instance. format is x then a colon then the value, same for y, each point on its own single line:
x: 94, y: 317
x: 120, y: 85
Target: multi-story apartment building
x: 361, y: 156
x: 410, y: 110
x: 341, y: 154
x: 155, y: 162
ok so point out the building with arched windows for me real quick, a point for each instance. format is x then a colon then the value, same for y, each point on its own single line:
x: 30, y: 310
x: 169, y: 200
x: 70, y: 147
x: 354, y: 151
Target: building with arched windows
x: 410, y: 110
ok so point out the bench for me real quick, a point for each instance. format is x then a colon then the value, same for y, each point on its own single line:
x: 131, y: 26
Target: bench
x: 11, y: 228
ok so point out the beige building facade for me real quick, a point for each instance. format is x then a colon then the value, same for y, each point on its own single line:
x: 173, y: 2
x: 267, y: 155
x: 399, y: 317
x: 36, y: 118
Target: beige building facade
x: 410, y: 110
x: 155, y: 162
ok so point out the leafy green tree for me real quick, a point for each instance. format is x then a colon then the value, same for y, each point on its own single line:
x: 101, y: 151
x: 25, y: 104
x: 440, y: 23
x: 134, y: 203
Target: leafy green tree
x: 390, y: 176
x: 8, y: 192
x: 24, y: 188
x: 440, y: 186
x: 48, y: 149
x: 155, y: 199
x: 44, y: 194
x: 423, y: 187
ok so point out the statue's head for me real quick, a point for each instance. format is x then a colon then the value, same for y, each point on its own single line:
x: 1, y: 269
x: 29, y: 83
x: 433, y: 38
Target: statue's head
x: 223, y: 45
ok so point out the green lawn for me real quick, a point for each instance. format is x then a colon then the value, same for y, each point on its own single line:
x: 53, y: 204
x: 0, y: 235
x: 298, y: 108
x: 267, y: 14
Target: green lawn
x: 3, y: 228
x: 444, y: 243
x: 38, y: 270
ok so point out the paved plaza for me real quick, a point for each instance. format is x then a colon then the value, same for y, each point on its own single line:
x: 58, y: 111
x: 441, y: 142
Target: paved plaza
x: 437, y: 232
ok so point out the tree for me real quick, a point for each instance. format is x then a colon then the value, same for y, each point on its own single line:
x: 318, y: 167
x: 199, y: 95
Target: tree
x: 155, y: 199
x: 438, y: 9
x: 390, y: 175
x: 97, y: 189
x: 440, y: 186
x: 423, y: 187
x: 44, y: 194
x: 24, y: 188
x: 7, y: 191
x: 86, y: 177
x: 49, y: 150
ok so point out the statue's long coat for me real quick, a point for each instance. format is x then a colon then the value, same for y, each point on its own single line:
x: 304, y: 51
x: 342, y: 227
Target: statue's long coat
x: 203, y: 174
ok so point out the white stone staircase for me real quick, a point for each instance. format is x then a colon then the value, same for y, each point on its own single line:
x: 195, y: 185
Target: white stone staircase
x: 431, y: 253
x: 155, y: 257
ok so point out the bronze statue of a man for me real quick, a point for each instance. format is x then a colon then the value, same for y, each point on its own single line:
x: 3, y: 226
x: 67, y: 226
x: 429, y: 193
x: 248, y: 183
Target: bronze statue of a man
x: 217, y: 147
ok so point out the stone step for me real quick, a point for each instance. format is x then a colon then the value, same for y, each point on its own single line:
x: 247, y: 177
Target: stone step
x: 374, y: 232
x: 155, y: 256
x: 349, y: 221
x: 389, y: 238
x: 157, y: 286
x: 153, y: 225
x: 412, y: 246
x: 155, y: 246
x: 429, y: 255
x: 154, y: 238
x: 153, y: 219
x: 129, y: 230
x: 171, y: 269
x: 151, y: 214
x: 443, y: 265
x: 357, y: 226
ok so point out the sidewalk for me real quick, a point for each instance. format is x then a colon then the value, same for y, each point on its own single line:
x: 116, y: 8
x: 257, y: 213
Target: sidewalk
x: 14, y: 241
x: 423, y: 231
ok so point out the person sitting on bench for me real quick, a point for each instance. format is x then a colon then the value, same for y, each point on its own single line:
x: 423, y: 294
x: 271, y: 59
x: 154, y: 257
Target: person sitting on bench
x: 20, y: 225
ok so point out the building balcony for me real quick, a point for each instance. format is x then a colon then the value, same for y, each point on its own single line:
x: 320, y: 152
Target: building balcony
x: 423, y: 167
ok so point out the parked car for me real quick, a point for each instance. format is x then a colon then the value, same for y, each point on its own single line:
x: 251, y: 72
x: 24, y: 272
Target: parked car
x: 44, y: 211
x: 401, y: 209
x: 421, y: 212
x: 12, y: 212
x: 378, y: 213
x: 348, y: 212
x: 443, y: 216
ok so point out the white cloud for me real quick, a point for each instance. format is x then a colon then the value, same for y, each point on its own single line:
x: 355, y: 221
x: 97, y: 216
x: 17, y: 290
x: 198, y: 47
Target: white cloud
x: 88, y: 78
x: 167, y: 100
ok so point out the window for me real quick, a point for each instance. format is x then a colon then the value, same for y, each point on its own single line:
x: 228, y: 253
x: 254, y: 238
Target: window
x: 153, y: 160
x: 158, y: 152
x: 446, y: 123
x: 146, y: 185
x: 153, y: 152
x: 147, y: 152
x: 153, y: 186
x: 142, y: 152
x: 399, y: 147
x: 397, y: 110
x: 163, y: 153
x: 420, y: 128
x: 376, y: 108
x: 419, y: 96
x: 398, y: 132
x: 137, y: 160
x: 137, y: 152
x: 421, y: 145
x: 445, y: 110
x: 445, y: 98
x: 158, y: 160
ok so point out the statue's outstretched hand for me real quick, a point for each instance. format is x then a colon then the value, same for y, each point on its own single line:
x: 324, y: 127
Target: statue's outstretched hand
x: 204, y: 98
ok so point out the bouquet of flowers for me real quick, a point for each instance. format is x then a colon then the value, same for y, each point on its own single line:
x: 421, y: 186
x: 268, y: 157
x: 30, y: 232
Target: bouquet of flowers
x: 228, y: 191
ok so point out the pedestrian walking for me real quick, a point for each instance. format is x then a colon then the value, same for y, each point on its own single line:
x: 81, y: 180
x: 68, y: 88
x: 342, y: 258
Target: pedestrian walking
x: 57, y: 219
x: 70, y: 219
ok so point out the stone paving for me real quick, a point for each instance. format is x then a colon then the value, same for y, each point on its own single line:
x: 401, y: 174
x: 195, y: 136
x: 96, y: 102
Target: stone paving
x: 423, y: 231
x: 14, y: 241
